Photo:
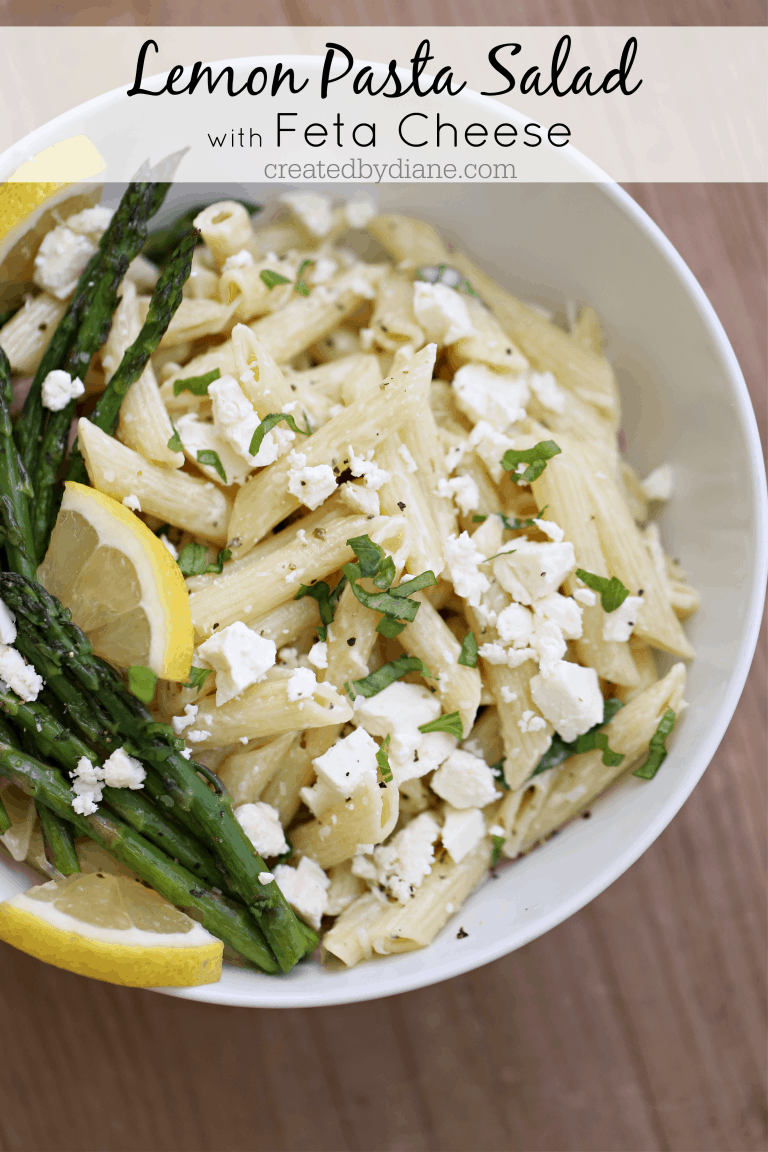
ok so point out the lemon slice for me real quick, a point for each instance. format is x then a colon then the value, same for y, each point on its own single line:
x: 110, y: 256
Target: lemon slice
x: 111, y: 928
x: 121, y: 584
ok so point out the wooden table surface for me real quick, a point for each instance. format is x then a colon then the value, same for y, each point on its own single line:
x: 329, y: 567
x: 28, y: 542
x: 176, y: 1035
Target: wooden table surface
x: 637, y: 1025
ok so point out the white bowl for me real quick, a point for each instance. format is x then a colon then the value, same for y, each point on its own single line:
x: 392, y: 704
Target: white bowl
x: 685, y: 401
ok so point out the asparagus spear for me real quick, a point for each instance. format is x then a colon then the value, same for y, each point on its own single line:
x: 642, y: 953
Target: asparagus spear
x: 47, y: 629
x: 225, y: 919
x: 121, y: 242
x: 53, y: 741
x: 5, y: 820
x: 59, y: 841
x: 59, y: 845
x: 162, y: 307
x: 15, y: 488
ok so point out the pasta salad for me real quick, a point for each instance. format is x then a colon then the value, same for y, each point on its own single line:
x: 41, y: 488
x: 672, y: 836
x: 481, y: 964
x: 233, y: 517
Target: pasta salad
x: 394, y: 593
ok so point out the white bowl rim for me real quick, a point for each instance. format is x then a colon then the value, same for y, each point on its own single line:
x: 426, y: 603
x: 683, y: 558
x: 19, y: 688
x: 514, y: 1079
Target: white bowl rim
x: 283, y: 993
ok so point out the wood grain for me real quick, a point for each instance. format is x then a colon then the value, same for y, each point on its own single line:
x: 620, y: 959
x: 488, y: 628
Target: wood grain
x: 638, y: 1025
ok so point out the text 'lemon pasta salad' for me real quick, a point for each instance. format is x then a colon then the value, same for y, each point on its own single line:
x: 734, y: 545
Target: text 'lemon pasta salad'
x: 326, y: 586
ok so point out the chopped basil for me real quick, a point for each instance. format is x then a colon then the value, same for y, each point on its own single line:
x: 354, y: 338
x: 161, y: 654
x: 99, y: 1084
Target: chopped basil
x: 468, y: 654
x: 536, y: 457
x: 498, y: 844
x: 498, y: 771
x: 197, y: 677
x: 657, y: 748
x: 612, y: 592
x: 450, y: 723
x: 326, y: 601
x: 272, y: 279
x: 211, y: 458
x: 386, y: 675
x: 142, y: 682
x: 175, y: 443
x: 191, y: 560
x: 559, y: 750
x: 372, y: 563
x: 197, y: 385
x: 268, y: 424
x: 383, y: 761
x: 300, y: 285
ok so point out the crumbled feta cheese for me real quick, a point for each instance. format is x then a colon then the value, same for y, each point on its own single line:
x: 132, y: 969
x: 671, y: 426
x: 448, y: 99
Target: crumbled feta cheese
x: 88, y: 787
x: 60, y: 259
x: 261, y: 824
x: 266, y: 877
x: 563, y: 611
x: 91, y: 222
x: 405, y: 454
x: 367, y: 467
x: 549, y: 528
x: 547, y: 391
x: 239, y: 658
x: 322, y: 270
x: 236, y: 420
x: 310, y: 485
x: 359, y: 211
x: 548, y: 642
x: 404, y: 863
x: 494, y: 653
x: 318, y: 654
x: 619, y: 624
x: 463, y: 558
x: 132, y: 501
x: 186, y: 753
x: 341, y: 771
x: 586, y: 597
x: 498, y: 397
x: 301, y: 684
x: 7, y: 624
x: 397, y: 711
x: 530, y: 722
x: 534, y: 570
x: 463, y: 490
x: 507, y: 694
x: 441, y: 312
x: 463, y: 828
x: 465, y: 781
x: 59, y: 388
x: 515, y: 624
x: 312, y: 210
x: 490, y: 445
x: 18, y: 675
x: 170, y: 546
x: 123, y: 771
x: 305, y: 888
x: 570, y: 698
x: 196, y: 737
x: 360, y: 499
x: 239, y: 259
x: 181, y: 722
x: 197, y: 435
x: 659, y: 484
x: 433, y: 749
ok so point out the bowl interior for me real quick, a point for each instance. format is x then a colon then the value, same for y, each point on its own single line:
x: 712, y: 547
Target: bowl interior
x: 684, y: 402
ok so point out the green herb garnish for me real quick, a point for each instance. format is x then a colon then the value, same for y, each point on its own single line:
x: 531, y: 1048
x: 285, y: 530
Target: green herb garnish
x: 450, y: 723
x: 657, y: 748
x: 191, y: 560
x: 175, y: 443
x: 498, y: 771
x: 267, y: 424
x: 272, y: 279
x: 612, y: 592
x: 383, y: 761
x: 197, y: 385
x: 468, y: 654
x: 197, y: 677
x: 142, y: 682
x: 394, y: 603
x: 559, y: 750
x: 211, y: 458
x: 386, y: 675
x: 536, y: 457
x: 300, y: 285
x: 498, y: 844
x: 326, y: 601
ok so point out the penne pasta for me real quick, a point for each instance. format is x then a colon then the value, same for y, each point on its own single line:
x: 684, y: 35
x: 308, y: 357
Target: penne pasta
x: 25, y: 337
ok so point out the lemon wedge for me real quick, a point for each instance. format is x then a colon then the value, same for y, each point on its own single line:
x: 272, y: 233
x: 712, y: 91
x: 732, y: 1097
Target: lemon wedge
x: 111, y: 928
x: 121, y: 584
x: 27, y: 212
